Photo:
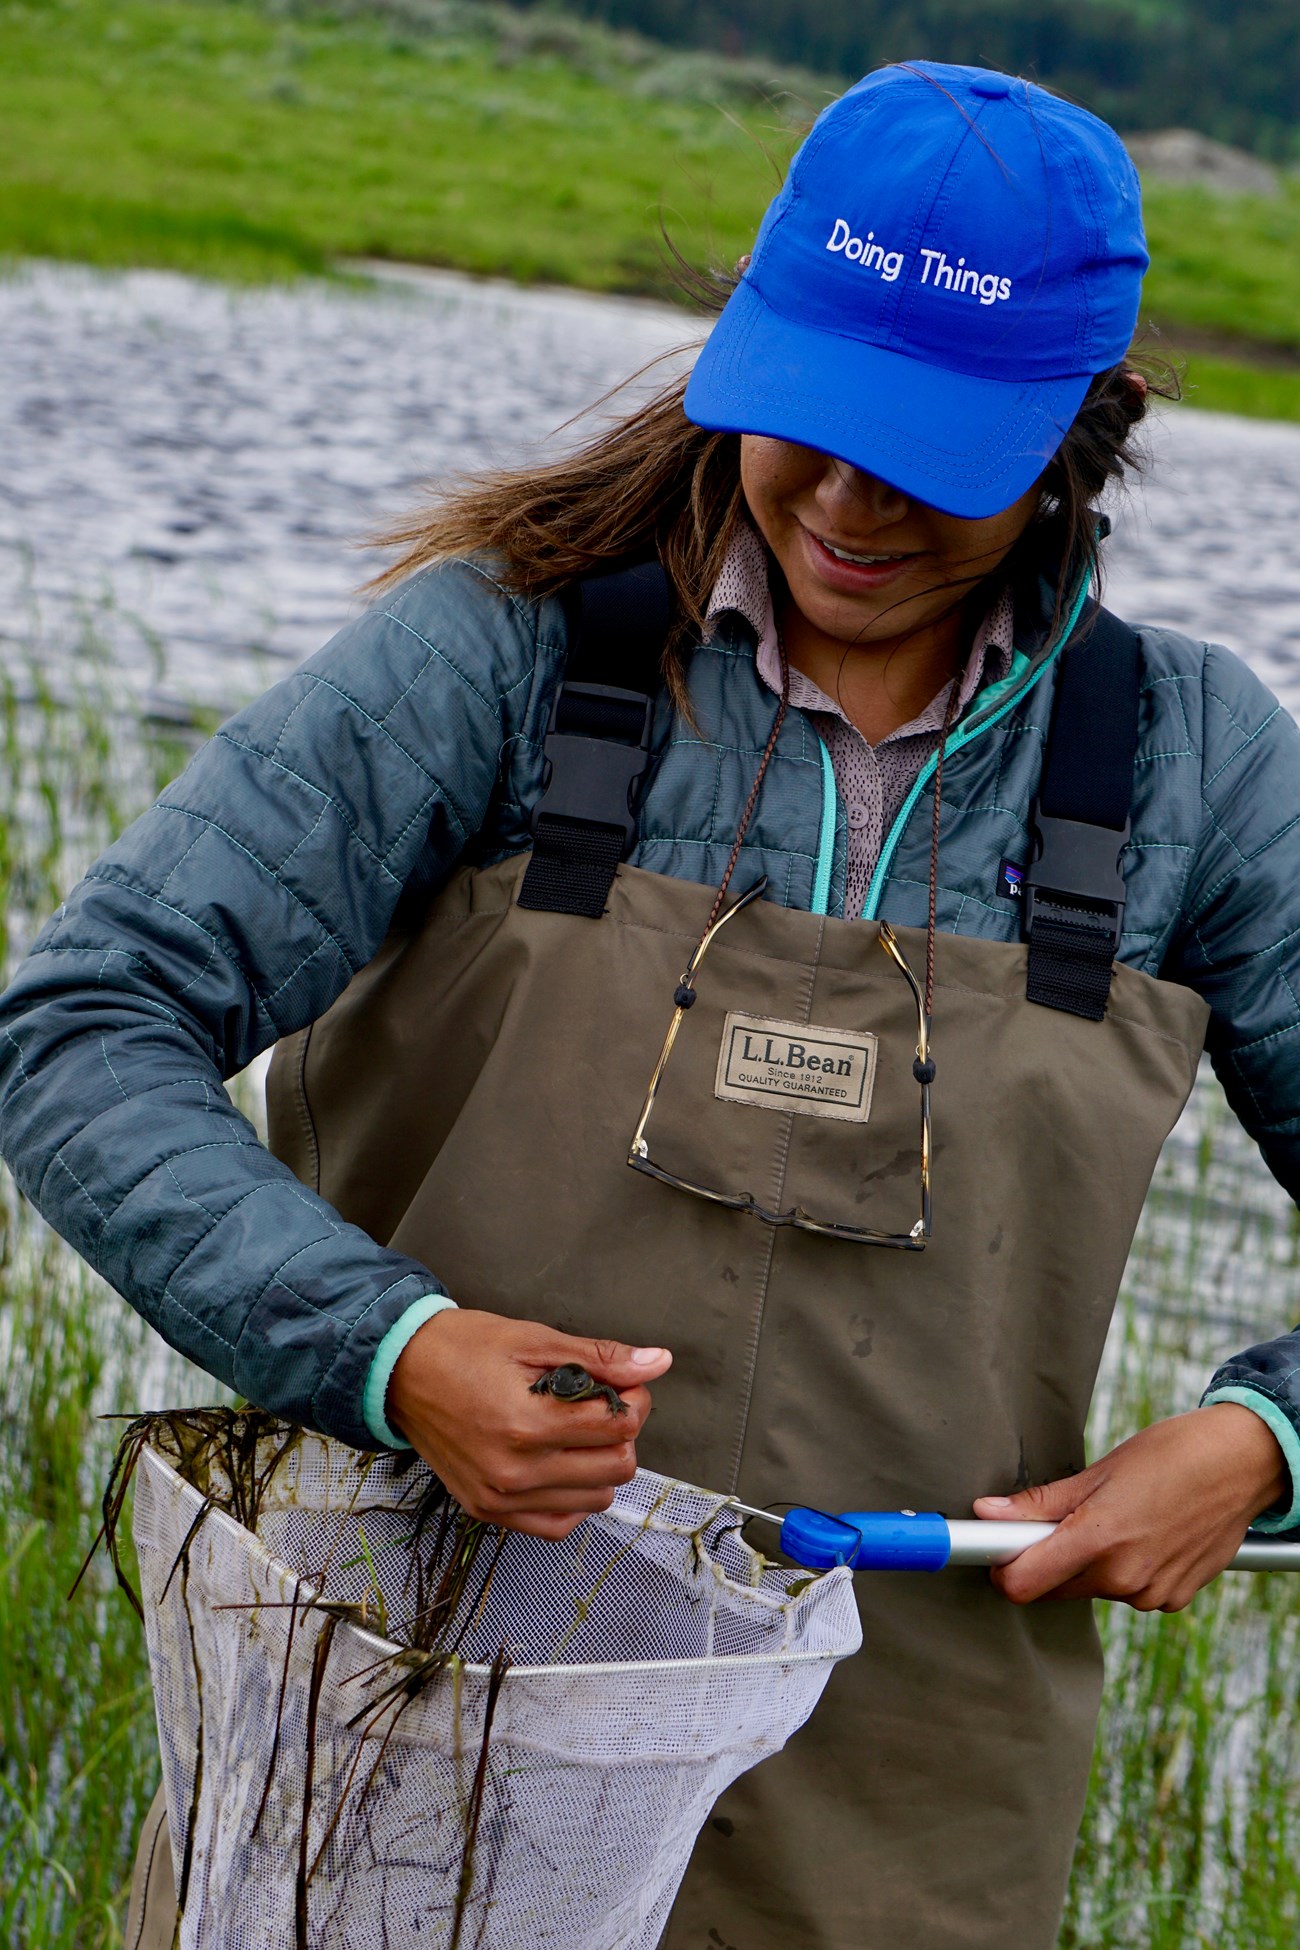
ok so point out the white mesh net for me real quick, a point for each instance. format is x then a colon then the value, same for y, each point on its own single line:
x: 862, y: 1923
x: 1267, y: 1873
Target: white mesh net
x: 653, y: 1658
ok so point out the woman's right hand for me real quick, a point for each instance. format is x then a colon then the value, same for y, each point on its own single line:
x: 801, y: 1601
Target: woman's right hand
x: 461, y: 1395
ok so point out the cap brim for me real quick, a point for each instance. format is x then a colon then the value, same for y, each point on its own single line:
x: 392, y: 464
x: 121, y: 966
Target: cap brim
x: 964, y: 445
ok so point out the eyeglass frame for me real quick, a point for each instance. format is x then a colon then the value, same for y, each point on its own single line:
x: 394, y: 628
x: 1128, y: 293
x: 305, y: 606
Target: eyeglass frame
x: 639, y: 1158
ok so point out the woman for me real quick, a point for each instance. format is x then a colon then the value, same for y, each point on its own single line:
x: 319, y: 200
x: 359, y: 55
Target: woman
x: 874, y: 508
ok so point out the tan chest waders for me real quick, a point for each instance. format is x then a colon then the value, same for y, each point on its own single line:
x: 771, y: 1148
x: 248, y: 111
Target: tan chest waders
x: 470, y: 1100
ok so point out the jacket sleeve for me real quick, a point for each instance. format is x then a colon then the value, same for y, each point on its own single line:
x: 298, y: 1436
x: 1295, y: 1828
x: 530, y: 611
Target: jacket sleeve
x: 1239, y: 946
x: 232, y: 913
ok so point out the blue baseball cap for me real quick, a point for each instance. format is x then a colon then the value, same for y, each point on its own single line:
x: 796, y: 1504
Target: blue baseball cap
x: 954, y: 255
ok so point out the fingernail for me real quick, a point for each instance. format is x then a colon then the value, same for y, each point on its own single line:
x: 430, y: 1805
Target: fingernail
x: 996, y: 1502
x: 645, y: 1357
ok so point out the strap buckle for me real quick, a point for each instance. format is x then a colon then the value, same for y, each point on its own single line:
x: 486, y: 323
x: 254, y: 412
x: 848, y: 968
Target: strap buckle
x: 1074, y: 876
x: 596, y: 752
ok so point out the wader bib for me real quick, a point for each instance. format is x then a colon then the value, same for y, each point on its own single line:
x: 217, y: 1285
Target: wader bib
x: 470, y: 1100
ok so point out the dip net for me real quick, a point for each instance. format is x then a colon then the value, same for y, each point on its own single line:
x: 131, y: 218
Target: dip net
x: 383, y: 1725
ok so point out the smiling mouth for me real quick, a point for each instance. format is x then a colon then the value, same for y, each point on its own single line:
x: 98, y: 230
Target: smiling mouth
x: 861, y: 560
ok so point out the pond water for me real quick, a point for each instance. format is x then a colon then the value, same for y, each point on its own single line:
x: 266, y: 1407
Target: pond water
x: 186, y: 472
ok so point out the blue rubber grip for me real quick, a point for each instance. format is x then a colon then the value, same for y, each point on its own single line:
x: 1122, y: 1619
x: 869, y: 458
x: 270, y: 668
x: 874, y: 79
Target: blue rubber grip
x: 885, y: 1540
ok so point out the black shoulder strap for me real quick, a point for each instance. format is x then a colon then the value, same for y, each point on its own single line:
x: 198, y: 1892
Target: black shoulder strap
x: 598, y: 740
x: 1073, y: 888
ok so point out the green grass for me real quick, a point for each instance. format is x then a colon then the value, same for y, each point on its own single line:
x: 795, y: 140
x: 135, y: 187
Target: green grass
x: 220, y: 138
x: 1192, y: 1836
x: 1228, y: 269
x: 263, y: 139
x: 1225, y: 386
x: 78, y: 1758
x: 1228, y: 265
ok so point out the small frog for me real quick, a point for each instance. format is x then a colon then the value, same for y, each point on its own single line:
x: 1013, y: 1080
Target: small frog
x: 573, y: 1384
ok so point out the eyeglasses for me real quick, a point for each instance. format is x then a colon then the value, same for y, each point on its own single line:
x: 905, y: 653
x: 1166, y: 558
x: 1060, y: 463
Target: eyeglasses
x: 639, y: 1158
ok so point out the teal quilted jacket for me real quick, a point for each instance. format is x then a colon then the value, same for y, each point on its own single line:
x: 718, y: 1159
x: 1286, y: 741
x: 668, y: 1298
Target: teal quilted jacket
x: 241, y: 904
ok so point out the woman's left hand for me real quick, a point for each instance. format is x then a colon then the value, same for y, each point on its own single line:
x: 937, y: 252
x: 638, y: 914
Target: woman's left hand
x: 1155, y: 1519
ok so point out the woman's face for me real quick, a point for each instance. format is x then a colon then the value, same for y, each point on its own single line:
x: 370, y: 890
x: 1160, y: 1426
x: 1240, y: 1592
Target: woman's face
x: 864, y: 564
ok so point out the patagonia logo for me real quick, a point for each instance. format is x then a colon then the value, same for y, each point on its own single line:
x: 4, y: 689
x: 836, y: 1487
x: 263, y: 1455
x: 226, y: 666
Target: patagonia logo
x: 796, y: 1066
x: 1011, y: 879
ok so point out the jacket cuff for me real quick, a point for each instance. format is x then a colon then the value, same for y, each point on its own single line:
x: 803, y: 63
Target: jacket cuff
x: 1284, y: 1429
x: 375, y: 1395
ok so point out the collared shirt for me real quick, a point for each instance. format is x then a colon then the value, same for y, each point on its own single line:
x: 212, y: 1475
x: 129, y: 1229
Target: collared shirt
x: 872, y: 780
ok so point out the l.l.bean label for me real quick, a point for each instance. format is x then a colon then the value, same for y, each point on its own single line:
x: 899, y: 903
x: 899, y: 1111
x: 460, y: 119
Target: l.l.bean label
x: 796, y: 1066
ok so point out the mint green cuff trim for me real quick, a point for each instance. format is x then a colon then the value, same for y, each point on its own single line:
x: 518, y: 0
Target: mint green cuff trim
x: 1284, y: 1430
x: 381, y: 1368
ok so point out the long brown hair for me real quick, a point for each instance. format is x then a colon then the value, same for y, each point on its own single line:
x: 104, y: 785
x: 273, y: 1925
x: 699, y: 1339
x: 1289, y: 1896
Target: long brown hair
x: 652, y: 482
x: 655, y: 482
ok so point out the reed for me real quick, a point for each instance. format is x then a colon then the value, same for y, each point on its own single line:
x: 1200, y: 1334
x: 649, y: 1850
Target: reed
x: 1192, y: 1835
x: 78, y: 1759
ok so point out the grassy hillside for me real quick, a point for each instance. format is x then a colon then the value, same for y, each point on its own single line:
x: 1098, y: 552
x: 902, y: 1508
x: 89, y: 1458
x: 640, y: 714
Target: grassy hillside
x: 236, y: 140
x: 253, y: 140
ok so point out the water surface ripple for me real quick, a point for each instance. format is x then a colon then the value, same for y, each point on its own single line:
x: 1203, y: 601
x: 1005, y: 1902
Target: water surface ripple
x: 190, y: 467
x: 187, y: 470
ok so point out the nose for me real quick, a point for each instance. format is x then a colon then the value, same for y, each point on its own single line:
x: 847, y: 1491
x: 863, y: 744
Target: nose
x: 845, y: 493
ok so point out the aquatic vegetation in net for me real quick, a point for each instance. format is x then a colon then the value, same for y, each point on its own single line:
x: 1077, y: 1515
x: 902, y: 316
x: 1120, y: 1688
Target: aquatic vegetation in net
x: 234, y: 1458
